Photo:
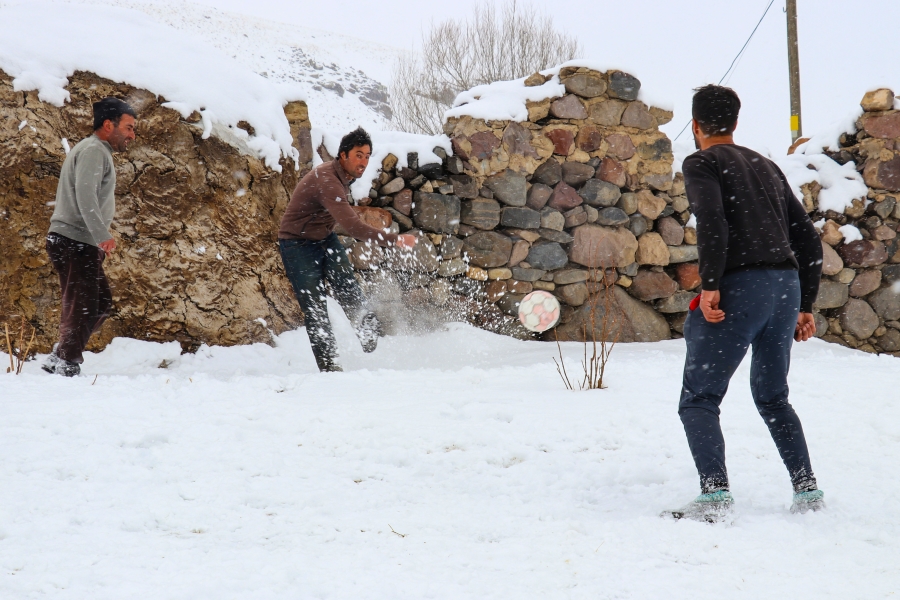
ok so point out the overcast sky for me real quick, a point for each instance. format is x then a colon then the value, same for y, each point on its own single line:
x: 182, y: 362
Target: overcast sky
x: 846, y: 47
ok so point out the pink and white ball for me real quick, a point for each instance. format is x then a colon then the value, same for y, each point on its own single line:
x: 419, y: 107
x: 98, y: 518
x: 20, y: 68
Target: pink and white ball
x: 539, y: 311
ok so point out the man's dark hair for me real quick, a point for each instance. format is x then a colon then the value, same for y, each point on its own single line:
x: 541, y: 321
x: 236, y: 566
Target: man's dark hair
x: 357, y: 137
x: 716, y: 109
x: 111, y: 109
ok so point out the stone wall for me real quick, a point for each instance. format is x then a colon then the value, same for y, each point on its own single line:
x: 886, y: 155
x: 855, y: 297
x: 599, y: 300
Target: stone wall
x: 579, y: 194
x: 859, y: 298
x: 581, y: 191
x: 196, y: 221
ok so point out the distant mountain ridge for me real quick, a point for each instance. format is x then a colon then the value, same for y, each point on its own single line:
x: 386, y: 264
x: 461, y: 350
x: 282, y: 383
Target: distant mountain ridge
x: 342, y: 75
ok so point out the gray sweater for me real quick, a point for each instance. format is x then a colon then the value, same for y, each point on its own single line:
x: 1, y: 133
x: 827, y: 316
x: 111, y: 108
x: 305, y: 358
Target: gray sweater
x: 85, y: 196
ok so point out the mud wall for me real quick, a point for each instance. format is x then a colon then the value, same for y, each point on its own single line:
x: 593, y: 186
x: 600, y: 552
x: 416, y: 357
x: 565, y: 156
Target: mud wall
x: 196, y: 221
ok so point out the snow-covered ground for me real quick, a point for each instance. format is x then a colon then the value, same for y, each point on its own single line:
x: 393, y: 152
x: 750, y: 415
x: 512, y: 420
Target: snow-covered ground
x: 446, y: 465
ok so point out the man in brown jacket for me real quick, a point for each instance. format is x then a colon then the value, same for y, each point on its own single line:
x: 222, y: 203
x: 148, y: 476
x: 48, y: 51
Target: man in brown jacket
x: 313, y: 255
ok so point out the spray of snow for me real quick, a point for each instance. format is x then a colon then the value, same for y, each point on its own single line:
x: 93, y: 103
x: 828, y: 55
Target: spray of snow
x: 137, y: 51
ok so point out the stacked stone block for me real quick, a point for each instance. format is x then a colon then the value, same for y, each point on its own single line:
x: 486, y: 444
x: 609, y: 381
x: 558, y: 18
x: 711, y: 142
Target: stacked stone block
x: 580, y: 193
x: 859, y: 298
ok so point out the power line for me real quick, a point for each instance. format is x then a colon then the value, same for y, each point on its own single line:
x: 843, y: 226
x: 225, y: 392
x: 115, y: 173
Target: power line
x: 731, y: 66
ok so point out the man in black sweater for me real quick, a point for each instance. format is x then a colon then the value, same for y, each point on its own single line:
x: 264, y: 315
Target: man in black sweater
x: 760, y: 264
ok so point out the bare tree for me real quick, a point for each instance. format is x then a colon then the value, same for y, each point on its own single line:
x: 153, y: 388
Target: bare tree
x: 492, y: 44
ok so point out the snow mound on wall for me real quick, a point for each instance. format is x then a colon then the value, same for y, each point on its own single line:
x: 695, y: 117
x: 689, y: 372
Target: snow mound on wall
x: 42, y: 44
x: 340, y: 75
x: 505, y: 100
x: 829, y: 137
x: 841, y: 184
x: 398, y: 143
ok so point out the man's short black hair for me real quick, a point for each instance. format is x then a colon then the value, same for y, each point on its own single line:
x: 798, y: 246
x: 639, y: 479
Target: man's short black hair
x: 111, y: 109
x: 716, y: 109
x: 357, y: 137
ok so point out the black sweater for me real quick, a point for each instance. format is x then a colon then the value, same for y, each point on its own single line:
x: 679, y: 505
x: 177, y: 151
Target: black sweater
x: 748, y: 218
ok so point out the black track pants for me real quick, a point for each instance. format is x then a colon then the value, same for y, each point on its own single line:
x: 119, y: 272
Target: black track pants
x: 761, y: 308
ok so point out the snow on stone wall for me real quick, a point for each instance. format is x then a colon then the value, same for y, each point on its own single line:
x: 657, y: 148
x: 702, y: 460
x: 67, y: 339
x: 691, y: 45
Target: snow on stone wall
x: 555, y: 176
x: 565, y: 186
x: 41, y: 49
x: 859, y: 297
x: 551, y: 179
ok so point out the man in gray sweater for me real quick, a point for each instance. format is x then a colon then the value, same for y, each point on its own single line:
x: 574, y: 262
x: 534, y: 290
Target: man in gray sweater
x: 79, y: 237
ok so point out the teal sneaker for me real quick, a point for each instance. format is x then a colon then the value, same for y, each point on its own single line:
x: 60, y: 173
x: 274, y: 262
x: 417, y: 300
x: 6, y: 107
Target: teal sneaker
x: 711, y: 508
x: 805, y: 501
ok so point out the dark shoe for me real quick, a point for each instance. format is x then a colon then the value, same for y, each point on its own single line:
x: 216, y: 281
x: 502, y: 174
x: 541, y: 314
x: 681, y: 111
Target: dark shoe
x: 66, y: 368
x: 51, y: 361
x: 368, y: 331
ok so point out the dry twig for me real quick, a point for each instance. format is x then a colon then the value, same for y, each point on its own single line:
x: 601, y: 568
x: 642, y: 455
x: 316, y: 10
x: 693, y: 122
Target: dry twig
x: 16, y: 347
x: 403, y: 535
x: 594, y: 365
x: 561, y: 365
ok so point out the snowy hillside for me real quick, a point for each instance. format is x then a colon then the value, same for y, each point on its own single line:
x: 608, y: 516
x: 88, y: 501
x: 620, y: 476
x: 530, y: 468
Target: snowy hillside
x: 342, y: 76
x: 449, y: 465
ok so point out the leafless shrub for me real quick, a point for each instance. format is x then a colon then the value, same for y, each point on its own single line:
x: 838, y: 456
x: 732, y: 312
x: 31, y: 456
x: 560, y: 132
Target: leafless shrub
x: 18, y: 346
x: 494, y: 43
x: 596, y: 351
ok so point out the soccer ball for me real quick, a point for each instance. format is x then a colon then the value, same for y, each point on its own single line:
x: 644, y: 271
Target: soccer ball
x: 539, y: 311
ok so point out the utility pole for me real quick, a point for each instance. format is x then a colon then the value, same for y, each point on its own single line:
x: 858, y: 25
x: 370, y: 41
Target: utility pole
x: 794, y: 68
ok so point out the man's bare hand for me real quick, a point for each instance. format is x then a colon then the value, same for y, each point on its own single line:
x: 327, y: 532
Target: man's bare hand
x: 806, y: 327
x: 406, y: 241
x: 709, y: 304
x: 108, y: 246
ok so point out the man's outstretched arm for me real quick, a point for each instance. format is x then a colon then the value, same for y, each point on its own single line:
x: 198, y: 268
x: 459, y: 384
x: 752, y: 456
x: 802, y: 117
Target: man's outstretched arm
x: 339, y: 207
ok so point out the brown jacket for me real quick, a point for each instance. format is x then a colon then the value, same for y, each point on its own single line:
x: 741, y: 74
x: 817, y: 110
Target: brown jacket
x: 321, y: 199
